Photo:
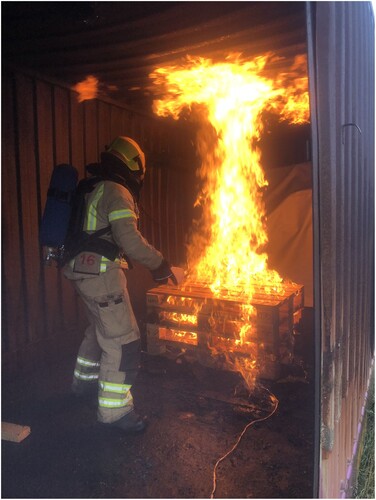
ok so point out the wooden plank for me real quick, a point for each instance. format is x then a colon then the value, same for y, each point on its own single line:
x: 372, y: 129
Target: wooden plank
x: 268, y: 326
x: 259, y: 291
x: 91, y: 131
x: 32, y: 279
x: 152, y: 219
x: 166, y: 211
x: 159, y: 343
x: 265, y: 314
x: 45, y: 136
x: 104, y: 129
x: 173, y: 220
x: 156, y: 295
x: 139, y: 135
x: 185, y: 211
x: 13, y: 314
x: 14, y: 432
x: 46, y: 165
x: 77, y: 134
x: 117, y: 125
x: 127, y: 122
x: 63, y: 154
x: 158, y: 211
x: 145, y: 204
x: 273, y: 324
x: 153, y: 222
x: 78, y: 161
x: 61, y: 115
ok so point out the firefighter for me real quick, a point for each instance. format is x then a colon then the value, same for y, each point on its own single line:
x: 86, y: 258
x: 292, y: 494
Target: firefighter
x: 109, y: 356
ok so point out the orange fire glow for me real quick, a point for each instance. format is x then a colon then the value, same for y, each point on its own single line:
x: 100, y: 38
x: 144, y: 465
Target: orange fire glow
x: 293, y: 104
x: 229, y: 97
x: 87, y: 89
x: 178, y: 335
x: 179, y: 318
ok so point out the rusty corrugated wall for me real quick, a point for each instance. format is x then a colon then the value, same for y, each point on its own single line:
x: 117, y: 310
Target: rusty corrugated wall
x: 341, y: 67
x: 129, y: 40
x: 43, y: 125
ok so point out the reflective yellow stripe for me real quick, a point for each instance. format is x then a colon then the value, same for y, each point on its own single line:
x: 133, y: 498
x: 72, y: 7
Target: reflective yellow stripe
x: 103, y: 266
x: 92, y: 211
x: 104, y: 262
x: 86, y: 362
x: 86, y: 376
x: 111, y: 387
x: 115, y: 403
x: 126, y: 213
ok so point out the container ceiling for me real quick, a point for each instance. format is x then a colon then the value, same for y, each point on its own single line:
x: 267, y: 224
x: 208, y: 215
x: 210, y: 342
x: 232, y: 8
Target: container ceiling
x: 121, y: 43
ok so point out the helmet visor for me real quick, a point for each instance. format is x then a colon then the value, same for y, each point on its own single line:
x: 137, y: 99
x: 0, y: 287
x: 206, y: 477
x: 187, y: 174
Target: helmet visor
x: 141, y: 166
x: 130, y: 153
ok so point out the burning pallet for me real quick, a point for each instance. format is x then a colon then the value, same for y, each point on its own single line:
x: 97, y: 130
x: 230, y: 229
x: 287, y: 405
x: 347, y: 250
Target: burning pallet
x: 191, y: 319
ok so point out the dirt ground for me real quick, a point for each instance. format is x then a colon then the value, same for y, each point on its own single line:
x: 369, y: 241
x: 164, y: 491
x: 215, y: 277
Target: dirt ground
x: 195, y: 416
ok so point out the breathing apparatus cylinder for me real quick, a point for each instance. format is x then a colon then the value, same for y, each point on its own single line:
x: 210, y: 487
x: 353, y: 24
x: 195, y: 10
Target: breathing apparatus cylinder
x: 57, y: 211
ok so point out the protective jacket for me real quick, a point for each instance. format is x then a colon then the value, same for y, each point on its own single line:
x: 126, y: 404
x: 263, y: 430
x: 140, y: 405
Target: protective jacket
x: 112, y: 204
x: 109, y: 353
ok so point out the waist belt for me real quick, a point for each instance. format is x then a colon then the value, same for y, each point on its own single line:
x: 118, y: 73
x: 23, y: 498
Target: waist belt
x: 123, y: 263
x: 107, y: 249
x: 102, y: 247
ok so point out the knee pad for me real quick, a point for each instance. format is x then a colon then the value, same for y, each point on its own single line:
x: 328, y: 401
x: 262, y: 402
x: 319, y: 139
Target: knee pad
x: 130, y: 360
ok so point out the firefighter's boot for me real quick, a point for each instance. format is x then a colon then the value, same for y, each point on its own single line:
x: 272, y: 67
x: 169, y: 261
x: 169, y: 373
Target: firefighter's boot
x: 131, y: 423
x: 86, y: 392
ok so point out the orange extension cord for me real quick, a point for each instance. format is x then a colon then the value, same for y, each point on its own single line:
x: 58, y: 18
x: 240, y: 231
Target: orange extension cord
x: 275, y: 401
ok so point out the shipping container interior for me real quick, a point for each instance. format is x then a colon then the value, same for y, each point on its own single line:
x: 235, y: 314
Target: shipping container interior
x: 196, y: 412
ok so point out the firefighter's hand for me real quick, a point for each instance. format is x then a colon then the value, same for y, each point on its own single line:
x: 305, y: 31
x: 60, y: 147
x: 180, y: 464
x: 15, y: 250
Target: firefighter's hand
x: 163, y: 273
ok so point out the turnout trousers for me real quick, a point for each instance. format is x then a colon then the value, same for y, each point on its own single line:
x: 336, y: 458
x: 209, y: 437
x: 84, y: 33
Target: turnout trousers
x: 110, y: 351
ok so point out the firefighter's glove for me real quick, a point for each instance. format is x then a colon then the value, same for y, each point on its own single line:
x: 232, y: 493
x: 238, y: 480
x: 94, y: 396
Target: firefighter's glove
x: 163, y: 273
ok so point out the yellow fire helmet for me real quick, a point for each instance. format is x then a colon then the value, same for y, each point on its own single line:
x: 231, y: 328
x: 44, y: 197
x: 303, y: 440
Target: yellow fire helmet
x: 130, y: 153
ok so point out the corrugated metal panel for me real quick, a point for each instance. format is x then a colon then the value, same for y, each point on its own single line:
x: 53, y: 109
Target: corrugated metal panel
x: 122, y: 42
x: 341, y: 64
x: 43, y: 125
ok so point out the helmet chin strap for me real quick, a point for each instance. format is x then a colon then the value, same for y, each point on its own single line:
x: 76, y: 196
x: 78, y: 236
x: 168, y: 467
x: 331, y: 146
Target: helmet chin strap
x: 114, y: 170
x: 133, y: 185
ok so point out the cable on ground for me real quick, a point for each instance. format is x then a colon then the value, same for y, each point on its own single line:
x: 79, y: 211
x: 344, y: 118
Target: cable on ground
x: 275, y: 401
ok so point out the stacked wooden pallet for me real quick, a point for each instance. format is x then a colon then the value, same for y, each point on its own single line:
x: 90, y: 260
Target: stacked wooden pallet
x: 192, y: 317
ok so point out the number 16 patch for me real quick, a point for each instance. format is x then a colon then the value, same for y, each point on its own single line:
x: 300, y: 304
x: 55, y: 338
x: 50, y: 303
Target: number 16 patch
x: 87, y: 263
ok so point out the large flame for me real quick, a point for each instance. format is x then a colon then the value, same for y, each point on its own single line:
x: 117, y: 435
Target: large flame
x: 226, y: 252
